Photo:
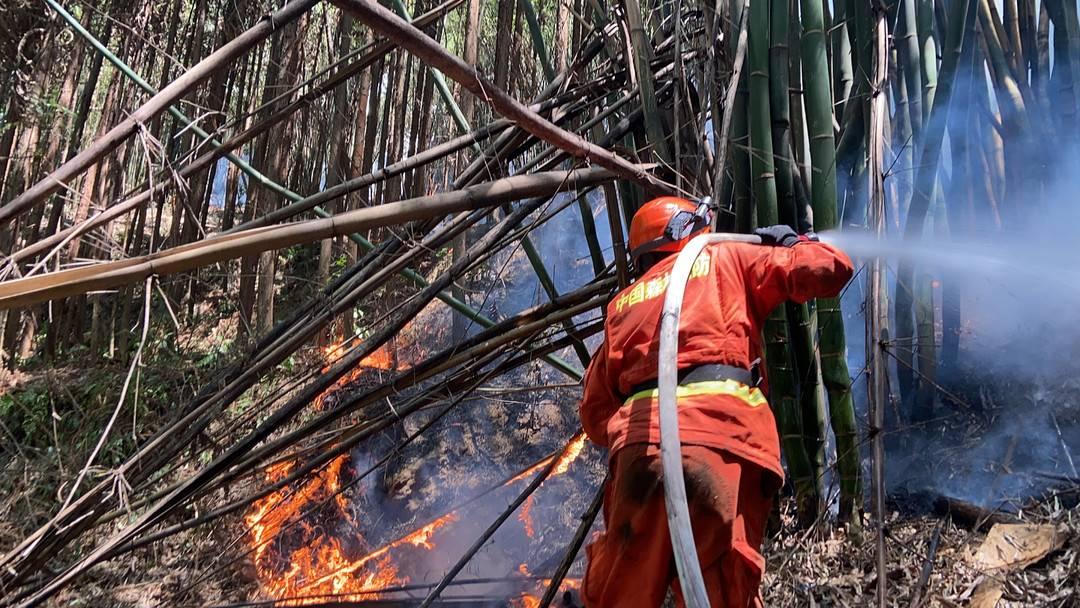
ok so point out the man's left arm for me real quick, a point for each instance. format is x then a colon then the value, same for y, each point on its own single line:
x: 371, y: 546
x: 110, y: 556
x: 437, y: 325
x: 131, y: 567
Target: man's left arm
x: 598, y: 401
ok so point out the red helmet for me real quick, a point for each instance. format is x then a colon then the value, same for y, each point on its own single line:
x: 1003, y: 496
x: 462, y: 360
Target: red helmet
x: 665, y: 224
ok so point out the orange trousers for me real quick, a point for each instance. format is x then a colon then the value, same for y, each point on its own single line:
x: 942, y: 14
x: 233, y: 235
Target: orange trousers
x: 631, y: 565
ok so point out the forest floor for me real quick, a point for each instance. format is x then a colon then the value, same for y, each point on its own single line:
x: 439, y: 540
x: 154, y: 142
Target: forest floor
x: 1032, y: 562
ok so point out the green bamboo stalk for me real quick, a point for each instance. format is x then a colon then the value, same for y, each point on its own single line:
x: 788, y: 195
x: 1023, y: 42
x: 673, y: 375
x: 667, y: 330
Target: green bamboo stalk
x: 842, y: 70
x: 904, y: 141
x: 1042, y: 61
x: 588, y: 225
x: 780, y: 111
x: 1061, y: 79
x: 928, y: 54
x: 537, y: 39
x: 782, y: 387
x: 925, y: 181
x: 763, y: 168
x: 1030, y: 58
x: 642, y: 51
x: 811, y: 406
x: 548, y: 284
x: 907, y: 45
x: 832, y: 345
x: 958, y: 209
x: 862, y: 51
x: 800, y: 140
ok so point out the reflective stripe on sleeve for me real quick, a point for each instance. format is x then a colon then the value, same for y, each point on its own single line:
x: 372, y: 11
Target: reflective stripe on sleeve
x: 751, y: 396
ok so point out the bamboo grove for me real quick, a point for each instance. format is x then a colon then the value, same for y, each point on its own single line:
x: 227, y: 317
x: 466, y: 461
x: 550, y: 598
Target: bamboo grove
x: 156, y: 151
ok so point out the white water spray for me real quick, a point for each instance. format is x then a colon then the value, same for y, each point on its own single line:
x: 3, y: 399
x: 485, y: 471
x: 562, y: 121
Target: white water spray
x: 1000, y: 257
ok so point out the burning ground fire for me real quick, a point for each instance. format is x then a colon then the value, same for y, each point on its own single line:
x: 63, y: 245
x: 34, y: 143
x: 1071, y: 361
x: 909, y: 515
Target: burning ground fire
x: 318, y: 564
x: 298, y: 557
x: 529, y: 600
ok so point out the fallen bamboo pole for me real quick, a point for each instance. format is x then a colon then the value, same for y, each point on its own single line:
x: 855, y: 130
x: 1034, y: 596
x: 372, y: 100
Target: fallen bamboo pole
x: 927, y: 567
x: 275, y: 421
x: 345, y: 290
x: 436, y: 56
x: 322, y: 458
x: 157, y: 104
x: 427, y: 369
x: 32, y: 290
x: 574, y: 548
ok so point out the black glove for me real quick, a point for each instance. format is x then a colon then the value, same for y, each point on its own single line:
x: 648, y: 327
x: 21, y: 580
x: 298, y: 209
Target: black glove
x: 777, y: 235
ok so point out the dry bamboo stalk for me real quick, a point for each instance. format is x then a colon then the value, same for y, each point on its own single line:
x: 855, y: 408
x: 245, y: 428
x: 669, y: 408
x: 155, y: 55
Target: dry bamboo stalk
x: 280, y: 417
x: 878, y: 311
x: 271, y: 349
x: 492, y: 342
x: 134, y: 201
x: 157, y: 104
x: 23, y: 292
x: 435, y: 55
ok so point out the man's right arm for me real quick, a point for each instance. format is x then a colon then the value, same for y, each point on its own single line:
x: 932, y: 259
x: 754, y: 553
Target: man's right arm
x: 806, y: 270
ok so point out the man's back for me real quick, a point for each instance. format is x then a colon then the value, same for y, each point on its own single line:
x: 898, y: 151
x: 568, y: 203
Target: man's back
x: 732, y: 288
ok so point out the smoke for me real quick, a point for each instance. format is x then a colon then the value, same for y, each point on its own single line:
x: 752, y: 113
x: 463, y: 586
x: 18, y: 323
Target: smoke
x: 1008, y: 411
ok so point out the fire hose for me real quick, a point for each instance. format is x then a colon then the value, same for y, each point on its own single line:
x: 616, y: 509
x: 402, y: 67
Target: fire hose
x: 678, y: 512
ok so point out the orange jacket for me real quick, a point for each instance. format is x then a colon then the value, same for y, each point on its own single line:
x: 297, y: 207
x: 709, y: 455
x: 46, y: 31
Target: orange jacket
x: 732, y: 289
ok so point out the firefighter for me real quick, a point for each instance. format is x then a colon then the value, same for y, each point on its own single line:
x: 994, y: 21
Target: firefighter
x: 730, y: 447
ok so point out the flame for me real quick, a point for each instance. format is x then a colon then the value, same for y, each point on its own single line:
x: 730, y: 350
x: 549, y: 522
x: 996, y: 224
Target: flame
x: 323, y: 566
x: 298, y: 557
x: 379, y: 359
x: 529, y: 600
x: 416, y: 538
x: 298, y: 512
x: 569, y: 454
x: 525, y: 515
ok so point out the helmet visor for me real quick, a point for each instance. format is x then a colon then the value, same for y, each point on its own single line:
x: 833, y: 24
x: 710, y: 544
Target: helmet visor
x: 685, y: 223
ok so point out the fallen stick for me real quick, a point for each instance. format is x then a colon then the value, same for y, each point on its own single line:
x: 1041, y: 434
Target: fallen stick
x: 1064, y: 446
x: 971, y: 516
x: 927, y: 568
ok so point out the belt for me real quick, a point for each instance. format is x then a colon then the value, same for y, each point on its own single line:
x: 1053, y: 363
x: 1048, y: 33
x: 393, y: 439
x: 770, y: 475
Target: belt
x: 708, y: 372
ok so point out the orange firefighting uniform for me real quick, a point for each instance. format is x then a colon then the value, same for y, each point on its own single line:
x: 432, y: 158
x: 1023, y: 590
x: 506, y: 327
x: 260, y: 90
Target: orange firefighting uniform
x: 731, y: 451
